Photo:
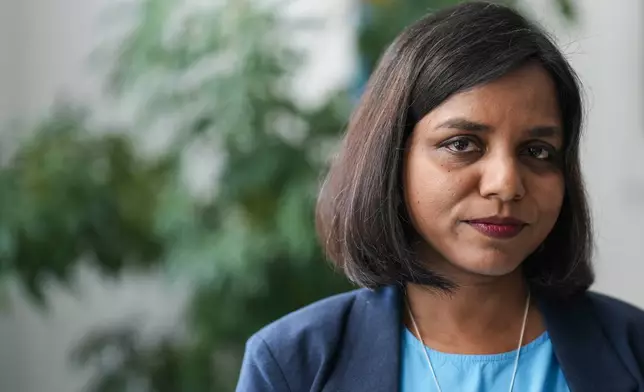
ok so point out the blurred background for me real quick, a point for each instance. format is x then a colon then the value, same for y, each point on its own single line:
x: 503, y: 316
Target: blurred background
x: 159, y: 161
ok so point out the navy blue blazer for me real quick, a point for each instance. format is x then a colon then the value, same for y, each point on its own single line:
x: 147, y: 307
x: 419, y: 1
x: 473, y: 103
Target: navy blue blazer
x: 351, y: 343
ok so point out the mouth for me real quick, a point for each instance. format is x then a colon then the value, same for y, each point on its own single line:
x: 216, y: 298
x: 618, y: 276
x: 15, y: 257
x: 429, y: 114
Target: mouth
x: 498, y: 227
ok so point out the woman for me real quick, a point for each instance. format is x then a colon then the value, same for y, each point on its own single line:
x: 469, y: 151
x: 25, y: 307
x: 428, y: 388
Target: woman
x: 458, y: 205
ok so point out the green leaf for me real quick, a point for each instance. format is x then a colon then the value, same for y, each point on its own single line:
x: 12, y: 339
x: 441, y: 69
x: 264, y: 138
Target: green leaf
x: 568, y: 9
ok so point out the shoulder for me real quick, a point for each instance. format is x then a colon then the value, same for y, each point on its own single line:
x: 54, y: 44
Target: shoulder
x: 617, y: 312
x: 623, y: 325
x: 293, y: 349
x: 315, y: 324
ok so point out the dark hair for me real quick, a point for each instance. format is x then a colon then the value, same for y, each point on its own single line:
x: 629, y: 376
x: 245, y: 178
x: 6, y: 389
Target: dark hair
x: 362, y: 220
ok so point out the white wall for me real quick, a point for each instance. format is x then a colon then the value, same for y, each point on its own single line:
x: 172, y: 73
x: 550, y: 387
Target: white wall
x: 56, y: 38
x: 13, y: 365
x: 44, y: 45
x: 10, y: 93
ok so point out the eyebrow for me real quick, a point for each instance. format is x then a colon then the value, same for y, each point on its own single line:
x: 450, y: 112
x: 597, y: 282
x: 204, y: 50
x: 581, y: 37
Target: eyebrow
x: 471, y: 126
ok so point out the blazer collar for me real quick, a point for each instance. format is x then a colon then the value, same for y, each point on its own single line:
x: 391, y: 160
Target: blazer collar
x: 369, y: 357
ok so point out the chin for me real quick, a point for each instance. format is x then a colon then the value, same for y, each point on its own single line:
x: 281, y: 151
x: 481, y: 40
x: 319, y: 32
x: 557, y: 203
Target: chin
x: 495, y: 265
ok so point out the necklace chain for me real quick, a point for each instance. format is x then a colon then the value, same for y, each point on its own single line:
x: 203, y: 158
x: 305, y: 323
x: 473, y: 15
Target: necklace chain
x: 429, y: 362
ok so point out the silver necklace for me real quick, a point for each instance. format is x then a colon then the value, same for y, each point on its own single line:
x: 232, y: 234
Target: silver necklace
x: 429, y: 362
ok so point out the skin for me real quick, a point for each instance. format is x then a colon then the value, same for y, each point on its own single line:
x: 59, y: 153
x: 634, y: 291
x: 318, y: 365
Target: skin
x: 490, y: 151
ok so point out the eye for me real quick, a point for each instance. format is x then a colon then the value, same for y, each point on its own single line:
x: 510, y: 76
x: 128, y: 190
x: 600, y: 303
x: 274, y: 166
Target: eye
x: 539, y: 152
x: 461, y: 144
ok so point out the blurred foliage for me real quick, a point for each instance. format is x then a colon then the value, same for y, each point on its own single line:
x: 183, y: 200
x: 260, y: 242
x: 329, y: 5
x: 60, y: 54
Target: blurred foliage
x: 66, y: 196
x: 568, y: 9
x: 222, y: 76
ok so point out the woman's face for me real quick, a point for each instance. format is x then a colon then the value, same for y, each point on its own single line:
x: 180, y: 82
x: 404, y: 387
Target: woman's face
x: 482, y: 178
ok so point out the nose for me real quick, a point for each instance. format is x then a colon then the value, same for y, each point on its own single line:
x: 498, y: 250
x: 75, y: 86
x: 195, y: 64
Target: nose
x: 502, y: 179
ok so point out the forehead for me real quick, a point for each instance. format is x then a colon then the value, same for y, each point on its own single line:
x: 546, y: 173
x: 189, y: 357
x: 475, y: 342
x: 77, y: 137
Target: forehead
x: 523, y: 98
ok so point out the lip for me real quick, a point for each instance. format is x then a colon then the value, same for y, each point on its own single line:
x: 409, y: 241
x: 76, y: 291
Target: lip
x: 498, y: 227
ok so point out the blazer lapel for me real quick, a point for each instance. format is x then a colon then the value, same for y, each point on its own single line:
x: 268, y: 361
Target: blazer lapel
x: 587, y: 358
x: 369, y: 358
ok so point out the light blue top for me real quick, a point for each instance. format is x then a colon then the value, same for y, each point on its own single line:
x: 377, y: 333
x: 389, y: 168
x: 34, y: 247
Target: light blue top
x: 538, y: 369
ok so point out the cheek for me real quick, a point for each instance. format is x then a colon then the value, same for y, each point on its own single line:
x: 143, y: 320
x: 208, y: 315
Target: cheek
x: 430, y: 188
x: 548, y: 194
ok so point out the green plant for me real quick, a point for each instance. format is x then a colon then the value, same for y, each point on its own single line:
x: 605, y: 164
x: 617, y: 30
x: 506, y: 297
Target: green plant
x: 251, y: 249
x: 67, y: 196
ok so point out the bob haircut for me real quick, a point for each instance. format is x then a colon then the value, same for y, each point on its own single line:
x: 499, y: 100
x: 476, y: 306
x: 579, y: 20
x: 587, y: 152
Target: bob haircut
x: 361, y: 217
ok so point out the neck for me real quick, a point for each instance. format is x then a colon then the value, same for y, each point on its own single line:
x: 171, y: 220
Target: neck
x: 477, y: 318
